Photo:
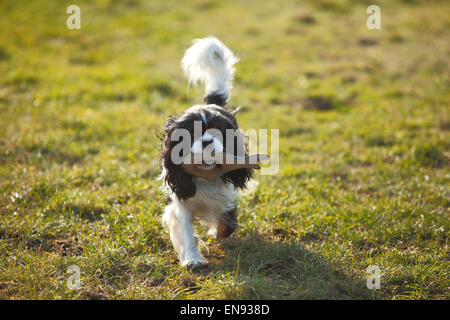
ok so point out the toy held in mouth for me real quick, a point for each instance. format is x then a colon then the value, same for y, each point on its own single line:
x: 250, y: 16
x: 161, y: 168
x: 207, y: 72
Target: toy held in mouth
x: 214, y: 165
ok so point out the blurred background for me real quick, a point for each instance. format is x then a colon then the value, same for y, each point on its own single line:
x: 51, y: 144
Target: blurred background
x: 364, y: 148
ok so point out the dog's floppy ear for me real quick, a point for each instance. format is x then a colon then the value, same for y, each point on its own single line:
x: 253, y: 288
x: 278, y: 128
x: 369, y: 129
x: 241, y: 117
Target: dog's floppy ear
x: 181, y: 183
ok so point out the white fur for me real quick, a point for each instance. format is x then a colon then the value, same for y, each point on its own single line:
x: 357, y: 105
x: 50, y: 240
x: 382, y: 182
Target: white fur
x: 210, y: 62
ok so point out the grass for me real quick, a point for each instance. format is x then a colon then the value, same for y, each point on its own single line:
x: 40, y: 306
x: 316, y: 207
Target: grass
x: 364, y: 149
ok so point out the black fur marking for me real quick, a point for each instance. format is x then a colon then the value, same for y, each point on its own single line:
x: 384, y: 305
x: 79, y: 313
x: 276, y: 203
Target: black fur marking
x: 216, y: 98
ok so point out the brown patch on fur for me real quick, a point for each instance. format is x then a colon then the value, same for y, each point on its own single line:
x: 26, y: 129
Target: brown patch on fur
x: 224, y: 230
x: 228, y: 223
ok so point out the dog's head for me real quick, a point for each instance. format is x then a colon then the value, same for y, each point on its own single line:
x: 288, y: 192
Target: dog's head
x: 207, y: 128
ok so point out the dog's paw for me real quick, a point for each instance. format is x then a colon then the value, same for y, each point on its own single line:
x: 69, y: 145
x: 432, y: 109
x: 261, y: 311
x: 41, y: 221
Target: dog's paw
x: 194, y: 264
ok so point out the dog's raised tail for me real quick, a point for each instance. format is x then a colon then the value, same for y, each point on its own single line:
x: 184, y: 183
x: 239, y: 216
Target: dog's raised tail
x: 211, y: 63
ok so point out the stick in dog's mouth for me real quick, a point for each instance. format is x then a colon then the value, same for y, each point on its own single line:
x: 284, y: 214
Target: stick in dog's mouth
x: 209, y: 169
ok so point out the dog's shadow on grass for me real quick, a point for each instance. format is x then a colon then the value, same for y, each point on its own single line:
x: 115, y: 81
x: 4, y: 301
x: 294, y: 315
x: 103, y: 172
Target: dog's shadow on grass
x: 268, y: 269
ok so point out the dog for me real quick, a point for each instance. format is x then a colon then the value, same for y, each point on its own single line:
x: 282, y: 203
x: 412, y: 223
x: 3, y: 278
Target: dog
x: 214, y: 203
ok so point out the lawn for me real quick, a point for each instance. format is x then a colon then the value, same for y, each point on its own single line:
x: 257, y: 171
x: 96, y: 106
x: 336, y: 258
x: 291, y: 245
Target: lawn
x: 364, y: 149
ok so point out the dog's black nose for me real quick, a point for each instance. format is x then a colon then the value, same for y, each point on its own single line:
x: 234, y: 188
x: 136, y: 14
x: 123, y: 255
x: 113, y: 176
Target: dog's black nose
x: 206, y: 143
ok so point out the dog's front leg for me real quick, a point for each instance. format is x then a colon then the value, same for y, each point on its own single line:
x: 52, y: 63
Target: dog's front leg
x: 179, y: 220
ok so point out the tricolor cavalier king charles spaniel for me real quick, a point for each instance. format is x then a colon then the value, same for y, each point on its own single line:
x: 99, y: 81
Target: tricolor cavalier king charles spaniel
x: 213, y: 203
